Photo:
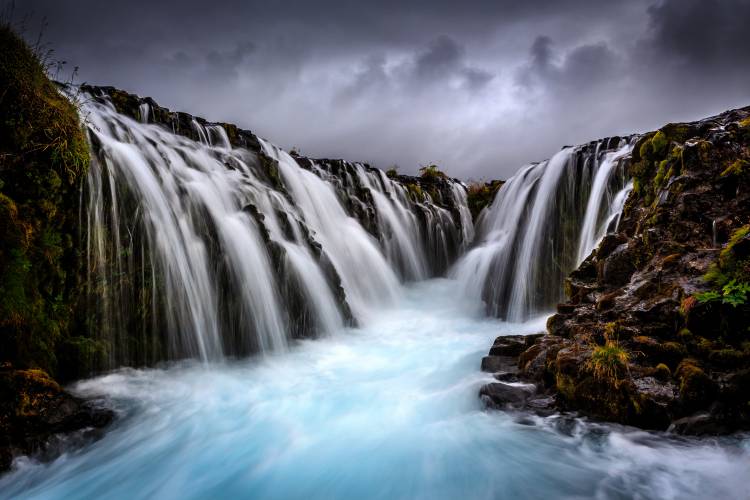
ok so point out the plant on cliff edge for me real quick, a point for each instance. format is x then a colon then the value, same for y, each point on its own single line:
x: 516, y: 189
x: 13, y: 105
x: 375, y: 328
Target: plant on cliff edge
x: 431, y: 172
x: 609, y: 362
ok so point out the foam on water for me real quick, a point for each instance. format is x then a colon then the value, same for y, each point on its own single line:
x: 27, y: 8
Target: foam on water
x: 387, y: 411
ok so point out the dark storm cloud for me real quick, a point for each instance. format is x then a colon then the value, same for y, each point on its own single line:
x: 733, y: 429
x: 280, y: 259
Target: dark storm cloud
x: 695, y: 33
x: 478, y: 87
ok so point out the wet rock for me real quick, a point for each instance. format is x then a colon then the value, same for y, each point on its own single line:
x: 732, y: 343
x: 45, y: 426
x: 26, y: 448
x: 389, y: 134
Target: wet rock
x: 511, y: 345
x: 34, y: 409
x: 698, y: 424
x: 619, y: 266
x: 494, y: 364
x: 501, y: 394
x: 542, y: 405
x: 506, y: 376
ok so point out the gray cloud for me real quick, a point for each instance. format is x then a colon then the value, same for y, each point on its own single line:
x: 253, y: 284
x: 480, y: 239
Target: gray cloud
x: 479, y: 87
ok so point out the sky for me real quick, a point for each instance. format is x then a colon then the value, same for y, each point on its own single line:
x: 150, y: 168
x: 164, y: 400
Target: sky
x: 478, y: 87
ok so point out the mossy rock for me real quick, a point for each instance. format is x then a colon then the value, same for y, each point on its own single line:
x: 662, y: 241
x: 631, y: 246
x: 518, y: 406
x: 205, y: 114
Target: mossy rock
x: 729, y: 358
x: 697, y: 389
x: 662, y: 372
x: 43, y: 160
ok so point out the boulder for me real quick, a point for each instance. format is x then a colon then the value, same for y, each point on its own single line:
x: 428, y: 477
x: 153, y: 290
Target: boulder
x: 34, y: 408
x: 503, y: 395
x: 493, y: 364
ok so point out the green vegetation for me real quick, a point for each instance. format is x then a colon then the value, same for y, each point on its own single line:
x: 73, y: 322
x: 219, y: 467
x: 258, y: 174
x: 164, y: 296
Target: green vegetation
x: 481, y: 194
x: 654, y: 163
x: 43, y: 159
x: 431, y: 172
x: 662, y: 372
x: 415, y: 190
x: 732, y: 293
x: 609, y: 362
x: 736, y: 168
x: 730, y: 276
x: 696, y: 388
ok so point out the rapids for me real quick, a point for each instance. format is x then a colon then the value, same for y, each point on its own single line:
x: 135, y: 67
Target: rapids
x: 387, y: 411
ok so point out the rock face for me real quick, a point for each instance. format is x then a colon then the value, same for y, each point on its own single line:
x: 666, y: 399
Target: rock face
x: 34, y: 410
x: 655, y: 330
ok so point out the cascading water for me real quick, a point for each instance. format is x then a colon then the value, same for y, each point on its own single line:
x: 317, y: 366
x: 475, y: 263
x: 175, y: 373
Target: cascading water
x: 212, y: 250
x: 228, y: 250
x: 543, y: 222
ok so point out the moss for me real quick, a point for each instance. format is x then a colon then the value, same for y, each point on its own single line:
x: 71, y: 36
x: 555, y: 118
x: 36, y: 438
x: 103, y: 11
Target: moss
x: 232, y: 133
x: 659, y: 143
x: 271, y: 169
x: 43, y: 160
x: 677, y: 132
x: 685, y: 335
x: 81, y: 357
x: 565, y: 385
x: 415, y: 190
x: 745, y: 122
x: 480, y: 195
x: 728, y: 358
x: 660, y: 173
x: 696, y: 388
x: 644, y: 147
x: 726, y: 255
x: 662, y: 372
x: 738, y: 168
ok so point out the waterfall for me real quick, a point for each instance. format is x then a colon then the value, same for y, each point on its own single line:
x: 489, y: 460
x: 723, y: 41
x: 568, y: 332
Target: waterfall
x: 543, y: 222
x: 198, y: 248
x: 602, y: 198
x: 208, y: 248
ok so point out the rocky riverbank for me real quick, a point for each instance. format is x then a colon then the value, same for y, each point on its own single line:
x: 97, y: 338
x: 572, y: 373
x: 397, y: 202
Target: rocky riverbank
x: 43, y: 159
x: 655, y: 329
x: 38, y: 418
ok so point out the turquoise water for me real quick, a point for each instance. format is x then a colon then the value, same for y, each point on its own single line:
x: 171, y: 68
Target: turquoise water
x: 386, y: 411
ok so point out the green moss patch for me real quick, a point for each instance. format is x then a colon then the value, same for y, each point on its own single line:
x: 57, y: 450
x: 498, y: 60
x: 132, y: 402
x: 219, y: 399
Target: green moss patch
x: 43, y: 159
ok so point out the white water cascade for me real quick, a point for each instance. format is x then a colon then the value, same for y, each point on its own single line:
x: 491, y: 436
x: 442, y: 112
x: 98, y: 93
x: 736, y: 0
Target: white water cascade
x: 602, y: 198
x: 211, y: 250
x: 543, y: 222
x: 199, y: 248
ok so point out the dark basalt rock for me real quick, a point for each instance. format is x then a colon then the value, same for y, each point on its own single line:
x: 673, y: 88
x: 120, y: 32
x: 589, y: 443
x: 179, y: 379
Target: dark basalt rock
x: 619, y: 266
x: 501, y: 394
x: 494, y: 364
x: 35, y: 410
x: 685, y: 228
x: 512, y: 345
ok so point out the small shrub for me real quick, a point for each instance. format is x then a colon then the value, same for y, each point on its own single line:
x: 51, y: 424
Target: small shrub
x: 609, y: 362
x: 431, y: 172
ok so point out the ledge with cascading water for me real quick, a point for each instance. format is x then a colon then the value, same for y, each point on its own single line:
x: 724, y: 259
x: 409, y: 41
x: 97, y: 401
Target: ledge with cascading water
x: 210, y: 250
x: 542, y: 224
x: 205, y: 243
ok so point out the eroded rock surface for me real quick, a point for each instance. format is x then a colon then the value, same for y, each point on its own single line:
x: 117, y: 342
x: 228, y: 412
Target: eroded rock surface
x: 661, y: 301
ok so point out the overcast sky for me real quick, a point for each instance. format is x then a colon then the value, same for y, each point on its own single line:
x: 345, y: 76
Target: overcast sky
x: 479, y: 88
